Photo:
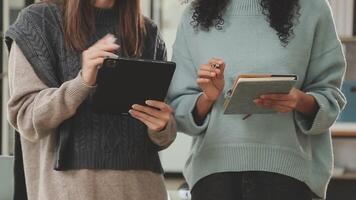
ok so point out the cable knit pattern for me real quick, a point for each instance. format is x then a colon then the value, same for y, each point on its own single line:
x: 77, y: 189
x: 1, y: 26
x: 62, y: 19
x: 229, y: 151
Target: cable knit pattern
x: 86, y: 140
x: 38, y: 143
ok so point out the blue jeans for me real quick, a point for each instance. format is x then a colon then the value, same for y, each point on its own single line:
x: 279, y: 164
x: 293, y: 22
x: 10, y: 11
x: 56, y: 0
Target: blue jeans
x: 250, y: 186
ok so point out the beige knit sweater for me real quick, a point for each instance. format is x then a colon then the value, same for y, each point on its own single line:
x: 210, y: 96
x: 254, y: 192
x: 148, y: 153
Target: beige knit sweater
x: 35, y: 111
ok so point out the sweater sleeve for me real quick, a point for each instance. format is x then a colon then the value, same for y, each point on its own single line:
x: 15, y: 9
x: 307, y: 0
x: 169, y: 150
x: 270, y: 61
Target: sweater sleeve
x: 35, y: 110
x: 165, y: 137
x: 324, y: 76
x: 184, y: 91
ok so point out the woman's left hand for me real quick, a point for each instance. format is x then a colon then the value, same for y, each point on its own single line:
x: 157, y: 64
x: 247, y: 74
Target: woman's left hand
x: 156, y: 115
x: 283, y: 103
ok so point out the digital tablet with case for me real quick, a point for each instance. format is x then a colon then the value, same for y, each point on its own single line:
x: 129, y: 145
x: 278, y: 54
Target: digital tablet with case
x: 123, y: 82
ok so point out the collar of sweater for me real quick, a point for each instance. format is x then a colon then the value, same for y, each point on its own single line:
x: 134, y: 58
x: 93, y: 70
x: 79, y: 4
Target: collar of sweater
x: 244, y: 8
x: 106, y: 16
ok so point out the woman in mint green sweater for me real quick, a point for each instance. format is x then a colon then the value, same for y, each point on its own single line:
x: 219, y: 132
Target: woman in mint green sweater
x: 285, y: 155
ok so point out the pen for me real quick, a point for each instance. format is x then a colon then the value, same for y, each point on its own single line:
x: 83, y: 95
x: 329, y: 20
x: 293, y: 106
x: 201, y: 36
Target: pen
x: 247, y: 116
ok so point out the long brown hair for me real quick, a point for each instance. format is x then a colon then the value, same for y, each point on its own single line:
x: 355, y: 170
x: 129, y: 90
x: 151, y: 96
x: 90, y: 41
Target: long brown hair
x: 78, y: 17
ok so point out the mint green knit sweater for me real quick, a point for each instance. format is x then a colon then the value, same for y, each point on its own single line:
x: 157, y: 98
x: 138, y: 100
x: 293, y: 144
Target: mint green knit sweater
x: 289, y: 144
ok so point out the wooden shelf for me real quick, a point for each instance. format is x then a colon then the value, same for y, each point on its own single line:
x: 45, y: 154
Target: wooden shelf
x: 344, y: 130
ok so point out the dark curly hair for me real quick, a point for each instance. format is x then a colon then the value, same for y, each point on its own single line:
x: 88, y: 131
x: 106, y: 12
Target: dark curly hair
x: 282, y: 15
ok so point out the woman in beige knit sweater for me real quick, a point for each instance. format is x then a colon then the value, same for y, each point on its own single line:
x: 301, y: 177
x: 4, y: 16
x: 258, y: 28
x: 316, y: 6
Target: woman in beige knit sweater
x: 69, y: 152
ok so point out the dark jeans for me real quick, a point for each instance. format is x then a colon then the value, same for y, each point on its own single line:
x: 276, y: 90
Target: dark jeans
x: 250, y: 186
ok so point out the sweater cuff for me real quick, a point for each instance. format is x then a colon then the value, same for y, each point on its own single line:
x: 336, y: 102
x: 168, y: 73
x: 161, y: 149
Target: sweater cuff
x: 165, y: 137
x: 320, y: 122
x: 78, y: 89
x: 203, y: 125
x: 83, y: 82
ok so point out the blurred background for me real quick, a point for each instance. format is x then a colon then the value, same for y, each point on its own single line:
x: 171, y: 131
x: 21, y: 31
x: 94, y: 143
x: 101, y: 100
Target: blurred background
x: 167, y: 13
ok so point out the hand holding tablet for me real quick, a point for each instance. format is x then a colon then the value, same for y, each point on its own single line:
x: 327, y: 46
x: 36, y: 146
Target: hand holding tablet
x: 155, y: 115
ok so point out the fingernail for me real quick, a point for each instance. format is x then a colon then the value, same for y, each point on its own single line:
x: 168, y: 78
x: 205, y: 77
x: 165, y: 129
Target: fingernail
x: 130, y: 111
x: 148, y: 102
x: 114, y: 56
x: 263, y: 97
x: 134, y: 106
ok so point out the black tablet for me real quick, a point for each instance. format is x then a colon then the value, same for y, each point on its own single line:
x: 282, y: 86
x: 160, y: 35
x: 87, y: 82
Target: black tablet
x: 123, y: 82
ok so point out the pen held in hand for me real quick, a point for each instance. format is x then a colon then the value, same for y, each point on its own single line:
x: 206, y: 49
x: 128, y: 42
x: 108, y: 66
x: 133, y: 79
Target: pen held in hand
x: 246, y: 116
x: 215, y: 66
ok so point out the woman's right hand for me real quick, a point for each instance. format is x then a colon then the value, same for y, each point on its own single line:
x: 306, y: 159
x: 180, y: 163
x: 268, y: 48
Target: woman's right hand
x: 211, y: 80
x: 93, y: 57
